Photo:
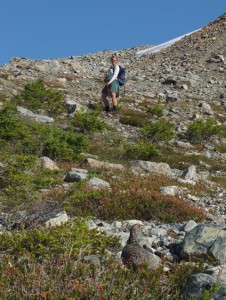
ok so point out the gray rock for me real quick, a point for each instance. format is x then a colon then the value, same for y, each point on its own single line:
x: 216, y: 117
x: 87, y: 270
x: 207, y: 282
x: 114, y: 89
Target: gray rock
x: 197, y: 285
x: 189, y: 226
x: 71, y: 105
x: 140, y: 166
x: 98, y: 183
x: 171, y: 190
x: 172, y: 97
x: 59, y: 219
x: 76, y: 175
x: 47, y: 163
x: 94, y: 163
x: 204, y: 240
x: 39, y: 118
x: 190, y: 173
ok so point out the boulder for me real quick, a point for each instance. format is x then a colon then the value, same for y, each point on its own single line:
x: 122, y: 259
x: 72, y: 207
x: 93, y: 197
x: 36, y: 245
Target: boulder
x: 205, y: 240
x: 140, y: 166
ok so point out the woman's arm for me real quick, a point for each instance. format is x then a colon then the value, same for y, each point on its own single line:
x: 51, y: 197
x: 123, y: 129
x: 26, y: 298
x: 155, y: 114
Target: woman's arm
x: 115, y: 75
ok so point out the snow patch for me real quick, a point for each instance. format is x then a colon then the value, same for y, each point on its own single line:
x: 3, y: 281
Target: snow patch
x: 160, y: 47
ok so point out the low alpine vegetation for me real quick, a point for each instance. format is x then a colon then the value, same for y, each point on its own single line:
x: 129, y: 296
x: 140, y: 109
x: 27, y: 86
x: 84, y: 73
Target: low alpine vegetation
x: 161, y: 130
x: 142, y: 151
x: 132, y: 117
x: 67, y: 278
x: 54, y: 243
x: 89, y: 121
x: 130, y: 198
x: 20, y: 135
x: 37, y: 97
x: 201, y: 130
x: 156, y: 110
x: 21, y: 179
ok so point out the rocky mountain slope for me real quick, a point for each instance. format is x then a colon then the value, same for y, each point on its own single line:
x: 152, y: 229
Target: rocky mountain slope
x: 193, y: 67
x: 187, y: 79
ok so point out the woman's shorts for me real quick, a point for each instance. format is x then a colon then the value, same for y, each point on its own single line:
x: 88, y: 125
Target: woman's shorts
x: 114, y: 87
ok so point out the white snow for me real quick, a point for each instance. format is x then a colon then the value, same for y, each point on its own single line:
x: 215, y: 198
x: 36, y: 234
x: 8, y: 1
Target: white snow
x: 162, y: 46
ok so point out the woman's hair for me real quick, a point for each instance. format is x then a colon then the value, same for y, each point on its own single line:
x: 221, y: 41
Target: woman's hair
x: 114, y: 56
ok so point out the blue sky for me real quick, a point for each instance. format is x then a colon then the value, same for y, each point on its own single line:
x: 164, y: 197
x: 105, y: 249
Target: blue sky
x: 48, y: 29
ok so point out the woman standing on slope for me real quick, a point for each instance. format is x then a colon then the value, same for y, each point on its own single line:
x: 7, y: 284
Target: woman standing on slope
x: 112, y: 86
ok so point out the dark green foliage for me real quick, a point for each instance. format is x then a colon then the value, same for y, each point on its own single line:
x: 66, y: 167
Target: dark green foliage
x: 36, y: 96
x: 141, y: 150
x: 156, y: 110
x: 132, y: 117
x: 20, y: 180
x: 201, y: 130
x: 19, y: 135
x: 62, y: 145
x: 11, y: 127
x: 56, y: 242
x: 162, y: 130
x: 57, y: 144
x: 89, y: 121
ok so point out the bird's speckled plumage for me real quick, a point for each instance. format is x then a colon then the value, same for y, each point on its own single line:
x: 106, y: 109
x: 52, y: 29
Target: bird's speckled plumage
x: 134, y: 255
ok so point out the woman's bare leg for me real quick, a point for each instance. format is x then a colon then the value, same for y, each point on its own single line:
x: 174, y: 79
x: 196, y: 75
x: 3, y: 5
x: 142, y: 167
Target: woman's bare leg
x: 106, y: 102
x: 114, y: 99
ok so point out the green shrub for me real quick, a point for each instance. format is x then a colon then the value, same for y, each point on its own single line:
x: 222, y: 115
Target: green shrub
x: 36, y: 96
x: 201, y: 130
x: 11, y: 127
x: 156, y: 110
x: 141, y: 150
x: 89, y: 121
x: 63, y: 241
x: 29, y: 137
x: 132, y: 117
x: 162, y: 130
x: 62, y: 145
x: 21, y: 178
x: 54, y: 142
x: 109, y: 147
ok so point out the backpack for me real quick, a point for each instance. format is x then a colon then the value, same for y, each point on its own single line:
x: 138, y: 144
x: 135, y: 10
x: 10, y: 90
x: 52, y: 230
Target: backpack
x: 121, y: 76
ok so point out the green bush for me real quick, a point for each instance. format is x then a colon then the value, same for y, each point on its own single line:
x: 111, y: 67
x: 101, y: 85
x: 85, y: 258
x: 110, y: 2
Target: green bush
x: 11, y: 127
x: 63, y: 241
x: 201, y: 130
x: 141, y: 150
x: 28, y: 137
x: 21, y: 178
x: 162, y: 130
x: 36, y: 96
x: 156, y: 110
x: 132, y: 118
x: 54, y: 142
x: 89, y: 121
x: 62, y: 145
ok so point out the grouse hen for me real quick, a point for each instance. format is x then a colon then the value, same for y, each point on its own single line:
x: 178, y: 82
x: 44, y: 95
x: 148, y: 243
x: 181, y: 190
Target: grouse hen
x: 134, y: 255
